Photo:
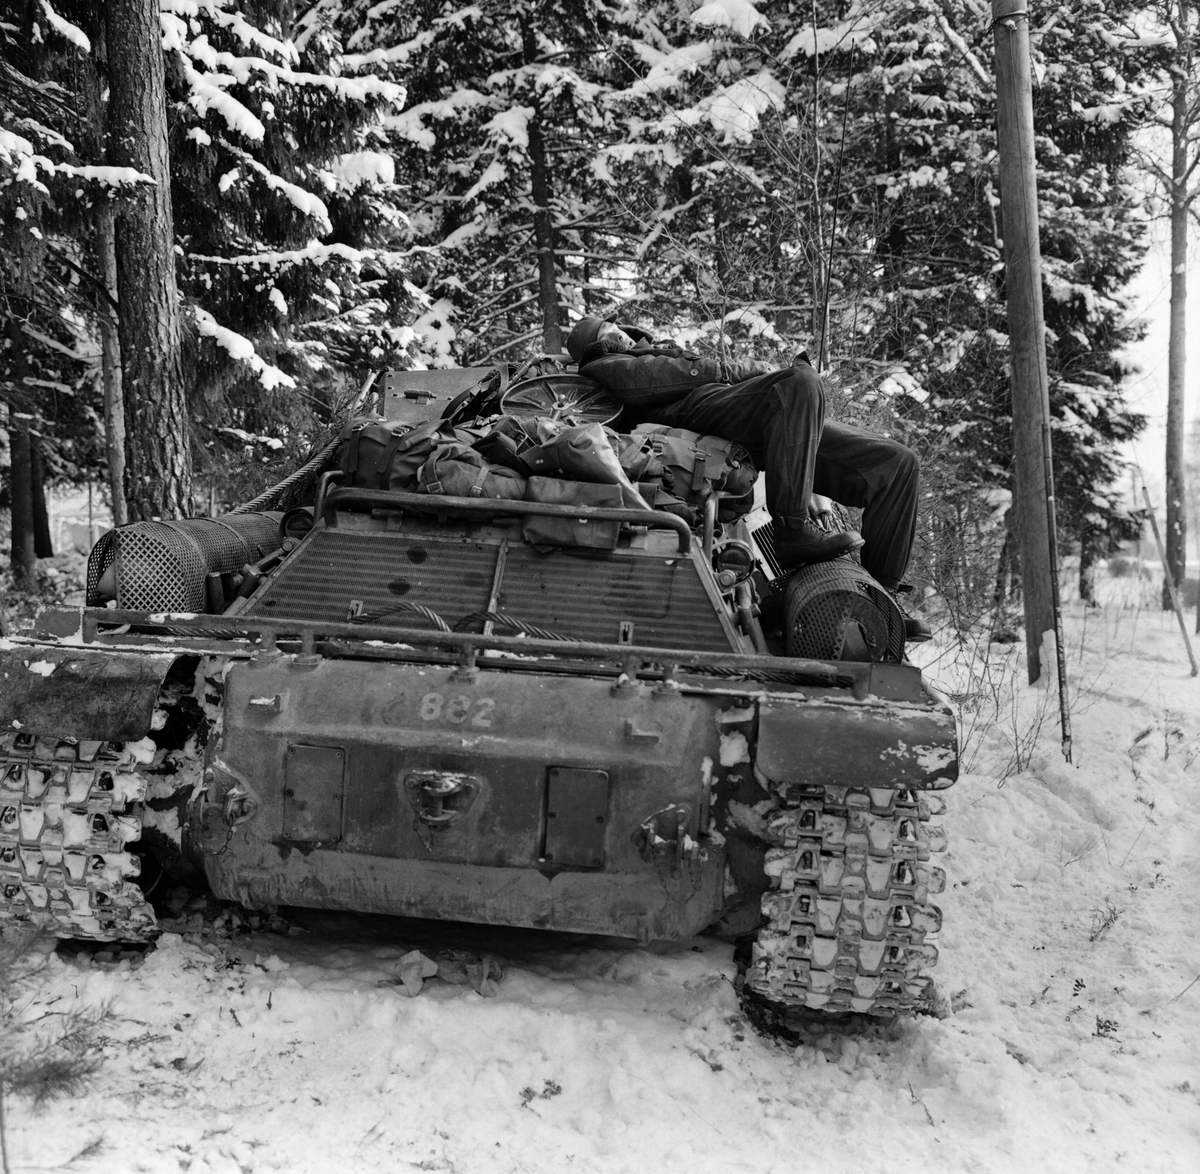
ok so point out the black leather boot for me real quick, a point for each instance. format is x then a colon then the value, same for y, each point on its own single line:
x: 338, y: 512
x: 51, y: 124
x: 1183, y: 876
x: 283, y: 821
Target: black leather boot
x: 916, y: 626
x: 808, y: 543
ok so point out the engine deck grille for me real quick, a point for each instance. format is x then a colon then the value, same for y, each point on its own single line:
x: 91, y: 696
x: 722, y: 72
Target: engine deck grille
x: 587, y: 595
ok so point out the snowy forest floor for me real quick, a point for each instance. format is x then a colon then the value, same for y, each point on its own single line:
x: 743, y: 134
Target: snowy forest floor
x: 1069, y: 958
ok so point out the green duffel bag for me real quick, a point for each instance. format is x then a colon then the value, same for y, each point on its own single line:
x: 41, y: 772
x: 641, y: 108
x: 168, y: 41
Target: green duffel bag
x: 387, y: 454
x: 457, y: 470
x: 543, y: 531
x: 693, y: 467
x: 586, y: 452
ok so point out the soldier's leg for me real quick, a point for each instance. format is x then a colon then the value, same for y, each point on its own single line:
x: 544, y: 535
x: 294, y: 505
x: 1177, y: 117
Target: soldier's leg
x: 778, y: 418
x: 882, y: 477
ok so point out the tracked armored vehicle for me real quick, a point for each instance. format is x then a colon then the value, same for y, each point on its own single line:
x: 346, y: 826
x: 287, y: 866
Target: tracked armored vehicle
x: 391, y: 701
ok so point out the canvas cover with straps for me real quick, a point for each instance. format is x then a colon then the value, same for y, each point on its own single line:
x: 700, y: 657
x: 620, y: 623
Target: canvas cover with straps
x: 507, y: 438
x: 584, y: 452
x: 689, y: 468
x: 571, y: 531
x: 387, y: 454
x: 457, y: 470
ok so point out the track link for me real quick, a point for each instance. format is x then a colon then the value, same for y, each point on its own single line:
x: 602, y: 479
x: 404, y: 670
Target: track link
x: 68, y: 808
x: 848, y: 913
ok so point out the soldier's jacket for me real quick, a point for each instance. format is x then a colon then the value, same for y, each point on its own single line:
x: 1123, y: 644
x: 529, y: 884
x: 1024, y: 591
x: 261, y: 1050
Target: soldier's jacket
x: 651, y: 376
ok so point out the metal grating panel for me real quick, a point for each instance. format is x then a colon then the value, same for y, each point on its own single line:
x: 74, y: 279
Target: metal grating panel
x: 584, y: 594
x: 380, y: 569
x: 764, y: 540
x: 589, y: 594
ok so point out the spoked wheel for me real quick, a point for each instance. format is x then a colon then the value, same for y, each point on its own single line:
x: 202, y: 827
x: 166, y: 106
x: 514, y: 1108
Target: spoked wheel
x: 569, y: 398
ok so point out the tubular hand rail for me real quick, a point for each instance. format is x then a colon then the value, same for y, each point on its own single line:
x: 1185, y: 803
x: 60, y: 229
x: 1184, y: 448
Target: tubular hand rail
x: 426, y: 503
x: 469, y: 644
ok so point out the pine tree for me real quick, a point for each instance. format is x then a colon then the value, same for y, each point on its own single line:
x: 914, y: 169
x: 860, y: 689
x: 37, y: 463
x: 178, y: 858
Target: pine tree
x: 891, y: 224
x: 495, y: 151
x: 1175, y: 37
x: 50, y: 174
x: 287, y: 220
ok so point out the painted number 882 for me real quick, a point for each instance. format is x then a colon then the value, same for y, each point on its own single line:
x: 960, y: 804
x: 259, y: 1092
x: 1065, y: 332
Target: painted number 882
x: 457, y: 710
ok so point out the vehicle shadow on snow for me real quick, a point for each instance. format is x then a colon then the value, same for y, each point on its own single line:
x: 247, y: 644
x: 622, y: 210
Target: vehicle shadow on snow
x: 568, y: 958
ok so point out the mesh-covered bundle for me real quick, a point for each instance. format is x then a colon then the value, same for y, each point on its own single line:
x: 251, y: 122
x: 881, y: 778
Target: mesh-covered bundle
x: 160, y: 566
x: 836, y: 611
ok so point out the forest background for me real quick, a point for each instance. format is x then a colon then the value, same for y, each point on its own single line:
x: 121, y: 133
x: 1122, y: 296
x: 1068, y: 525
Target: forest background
x: 415, y: 183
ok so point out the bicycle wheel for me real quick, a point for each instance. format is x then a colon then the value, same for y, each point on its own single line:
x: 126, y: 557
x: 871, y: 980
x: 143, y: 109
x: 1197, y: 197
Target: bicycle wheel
x: 570, y: 398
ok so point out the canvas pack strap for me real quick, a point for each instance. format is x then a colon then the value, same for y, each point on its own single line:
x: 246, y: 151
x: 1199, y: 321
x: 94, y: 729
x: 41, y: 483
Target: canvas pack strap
x: 387, y: 456
x: 352, y: 451
x: 477, y: 488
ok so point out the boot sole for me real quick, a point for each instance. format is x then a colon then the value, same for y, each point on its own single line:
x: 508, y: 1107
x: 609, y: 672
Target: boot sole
x: 792, y: 562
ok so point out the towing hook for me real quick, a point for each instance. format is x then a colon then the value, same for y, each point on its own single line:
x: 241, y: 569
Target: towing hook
x: 240, y: 807
x: 440, y: 797
x: 662, y: 839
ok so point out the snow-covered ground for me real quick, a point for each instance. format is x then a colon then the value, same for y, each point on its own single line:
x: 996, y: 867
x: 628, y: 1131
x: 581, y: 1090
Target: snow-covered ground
x: 1070, y: 959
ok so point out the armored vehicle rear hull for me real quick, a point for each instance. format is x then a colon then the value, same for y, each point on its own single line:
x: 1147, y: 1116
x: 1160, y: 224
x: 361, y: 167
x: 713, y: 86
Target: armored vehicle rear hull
x: 414, y: 709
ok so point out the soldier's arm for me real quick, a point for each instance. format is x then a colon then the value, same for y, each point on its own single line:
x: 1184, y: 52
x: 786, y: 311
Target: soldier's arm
x: 650, y: 381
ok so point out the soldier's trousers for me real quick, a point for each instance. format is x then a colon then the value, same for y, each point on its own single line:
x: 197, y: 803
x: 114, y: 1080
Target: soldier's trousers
x: 779, y: 419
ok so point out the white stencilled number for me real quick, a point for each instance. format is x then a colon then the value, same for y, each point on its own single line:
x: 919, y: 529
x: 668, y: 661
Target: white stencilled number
x: 435, y: 707
x: 458, y: 709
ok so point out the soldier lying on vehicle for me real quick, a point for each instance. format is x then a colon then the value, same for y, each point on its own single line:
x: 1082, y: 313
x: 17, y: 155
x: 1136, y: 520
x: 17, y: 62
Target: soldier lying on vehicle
x: 778, y: 416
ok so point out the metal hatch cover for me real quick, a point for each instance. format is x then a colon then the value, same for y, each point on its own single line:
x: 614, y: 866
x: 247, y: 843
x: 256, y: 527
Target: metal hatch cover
x: 576, y: 817
x: 312, y: 794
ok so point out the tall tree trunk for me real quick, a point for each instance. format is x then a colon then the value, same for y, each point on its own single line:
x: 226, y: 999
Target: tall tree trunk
x: 1088, y: 558
x: 543, y: 239
x: 1000, y: 588
x: 158, y: 474
x: 543, y: 221
x: 110, y: 359
x: 95, y: 85
x: 43, y: 546
x: 23, y: 552
x: 1176, y: 536
x: 893, y: 241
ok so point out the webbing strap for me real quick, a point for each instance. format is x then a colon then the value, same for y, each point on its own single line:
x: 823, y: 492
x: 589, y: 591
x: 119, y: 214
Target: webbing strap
x: 353, y: 452
x: 385, y: 460
x: 477, y: 488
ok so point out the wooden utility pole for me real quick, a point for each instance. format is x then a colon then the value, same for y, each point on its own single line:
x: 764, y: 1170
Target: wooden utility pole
x: 1181, y: 194
x: 1033, y: 485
